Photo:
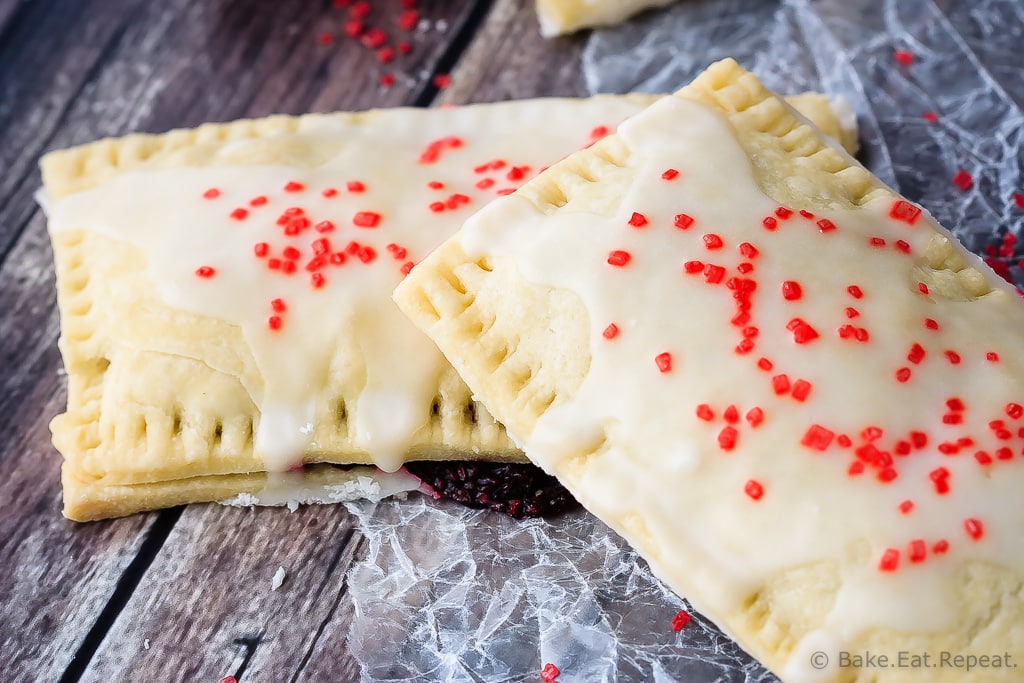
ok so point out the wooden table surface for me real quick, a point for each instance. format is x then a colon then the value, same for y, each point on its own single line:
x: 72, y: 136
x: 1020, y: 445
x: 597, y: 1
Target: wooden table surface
x: 82, y: 601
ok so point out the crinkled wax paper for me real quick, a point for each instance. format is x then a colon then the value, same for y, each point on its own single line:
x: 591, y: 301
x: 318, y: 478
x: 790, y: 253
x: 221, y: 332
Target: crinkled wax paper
x: 449, y: 594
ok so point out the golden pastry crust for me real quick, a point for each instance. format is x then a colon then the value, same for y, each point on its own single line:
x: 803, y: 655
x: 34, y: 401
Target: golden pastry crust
x: 558, y: 17
x: 523, y: 347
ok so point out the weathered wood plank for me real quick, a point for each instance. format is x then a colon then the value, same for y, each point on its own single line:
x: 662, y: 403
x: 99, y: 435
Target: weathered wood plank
x: 509, y: 60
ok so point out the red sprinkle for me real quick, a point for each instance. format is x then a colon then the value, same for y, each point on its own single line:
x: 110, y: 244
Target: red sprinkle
x: 801, y: 388
x: 274, y: 322
x: 791, y: 291
x: 930, y: 116
x: 727, y: 438
x: 549, y: 673
x: 1018, y: 199
x: 754, y: 489
x: 806, y: 214
x: 293, y: 186
x: 890, y: 560
x: 963, y: 180
x: 324, y: 226
x: 940, y: 547
x: 670, y: 174
x: 876, y: 242
x: 923, y: 288
x: 212, y: 193
x: 731, y: 415
x: 228, y: 679
x: 974, y: 528
x: 906, y: 506
x: 903, y: 375
x: 903, y: 57
x: 817, y: 437
x: 953, y: 357
x: 611, y: 332
x: 664, y: 362
x: 442, y: 81
x: 618, y: 257
x: 855, y: 291
x: 713, y: 274
x: 239, y: 214
x: 638, y: 220
x: 680, y: 620
x: 931, y: 324
x: 261, y: 249
x: 693, y: 267
x: 780, y: 383
x: 904, y: 211
x: 705, y: 412
x: 366, y: 219
x: 683, y: 221
x: 770, y: 223
x: 917, y: 551
x: 825, y: 225
x: 783, y: 213
x: 205, y: 272
x: 992, y: 357
x: 765, y: 364
x: 712, y: 241
x: 1014, y: 410
x: 748, y: 250
x: 755, y: 416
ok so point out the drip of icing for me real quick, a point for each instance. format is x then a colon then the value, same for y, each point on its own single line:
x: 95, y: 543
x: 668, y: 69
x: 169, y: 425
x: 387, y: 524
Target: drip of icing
x: 164, y: 213
x: 682, y: 475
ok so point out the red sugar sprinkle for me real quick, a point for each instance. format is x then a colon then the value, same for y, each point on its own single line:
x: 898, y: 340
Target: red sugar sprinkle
x: 825, y: 225
x: 1018, y: 199
x: 713, y: 274
x: 765, y: 364
x: 366, y: 219
x: 374, y: 38
x: 352, y: 28
x: 288, y: 267
x: 436, y: 207
x: 791, y: 290
x: 293, y: 186
x: 770, y: 223
x: 727, y: 438
x: 806, y: 214
x: 817, y: 437
x: 930, y: 116
x: 618, y: 257
x: 205, y: 272
x: 1014, y: 410
x: 664, y: 362
x: 963, y: 180
x: 670, y: 174
x: 916, y: 354
x: 953, y: 357
x: 712, y: 241
x: 324, y: 226
x: 918, y: 439
x: 386, y: 80
x: 680, y: 620
x: 917, y: 551
x: 904, y: 211
x: 484, y: 183
x: 693, y: 267
x: 442, y: 81
x: 903, y: 374
x: 683, y: 221
x: 317, y: 280
x: 923, y: 288
x: 261, y: 200
x: 355, y: 186
x: 705, y: 412
x: 801, y: 388
x: 611, y: 332
x: 291, y: 253
x: 239, y: 214
x: 903, y: 246
x: 228, y: 679
x: 274, y: 322
x: 212, y: 193
x: 876, y: 242
x: 940, y: 477
x: 983, y: 458
x: 890, y: 560
x: 731, y: 415
x: 754, y: 489
x: 903, y: 57
x: 855, y: 291
x: 278, y: 305
x: 856, y: 467
x: 755, y: 416
x: 407, y: 267
x: 366, y: 254
x: 887, y: 475
x: 902, y: 447
x: 408, y: 19
x: 804, y: 333
x: 744, y: 268
x: 261, y: 249
x: 638, y: 220
x: 906, y: 506
x: 1004, y: 453
x: 435, y: 185
x: 745, y: 346
x: 748, y: 250
x: 955, y: 404
x: 598, y: 132
x: 940, y: 547
x: 931, y: 324
x: 780, y: 383
x: 274, y: 263
x: 359, y: 9
x: 974, y: 528
x: 783, y: 213
x: 851, y: 312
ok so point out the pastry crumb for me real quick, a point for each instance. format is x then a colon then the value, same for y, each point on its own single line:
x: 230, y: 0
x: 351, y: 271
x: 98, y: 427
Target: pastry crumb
x: 278, y: 579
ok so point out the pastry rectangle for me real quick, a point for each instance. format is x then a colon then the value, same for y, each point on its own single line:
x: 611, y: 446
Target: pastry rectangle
x: 225, y: 296
x: 791, y: 390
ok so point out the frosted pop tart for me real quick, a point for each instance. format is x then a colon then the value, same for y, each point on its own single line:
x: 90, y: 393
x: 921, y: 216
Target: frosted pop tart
x: 796, y: 395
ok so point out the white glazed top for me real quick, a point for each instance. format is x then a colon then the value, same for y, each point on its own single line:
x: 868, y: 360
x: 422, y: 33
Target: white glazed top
x: 305, y: 259
x: 762, y: 389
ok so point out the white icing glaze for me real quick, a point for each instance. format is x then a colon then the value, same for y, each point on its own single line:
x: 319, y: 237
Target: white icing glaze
x: 292, y: 489
x: 664, y: 464
x: 164, y: 213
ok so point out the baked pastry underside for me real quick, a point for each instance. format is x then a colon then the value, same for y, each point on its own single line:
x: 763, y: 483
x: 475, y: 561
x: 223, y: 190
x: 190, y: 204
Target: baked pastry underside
x: 522, y: 346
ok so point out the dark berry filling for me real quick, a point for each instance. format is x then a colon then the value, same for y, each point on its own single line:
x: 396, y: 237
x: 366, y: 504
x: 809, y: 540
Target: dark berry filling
x: 517, y: 489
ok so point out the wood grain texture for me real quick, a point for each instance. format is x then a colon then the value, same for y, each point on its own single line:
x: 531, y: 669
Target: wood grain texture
x: 81, y: 600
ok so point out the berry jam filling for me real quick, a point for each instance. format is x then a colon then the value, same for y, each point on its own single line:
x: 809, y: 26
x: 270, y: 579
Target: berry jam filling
x: 517, y: 489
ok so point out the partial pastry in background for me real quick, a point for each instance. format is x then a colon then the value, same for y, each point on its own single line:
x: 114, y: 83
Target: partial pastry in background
x: 558, y: 17
x: 797, y: 396
x: 226, y: 312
